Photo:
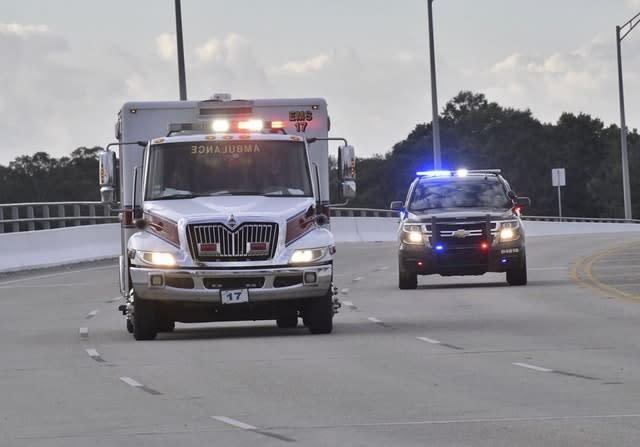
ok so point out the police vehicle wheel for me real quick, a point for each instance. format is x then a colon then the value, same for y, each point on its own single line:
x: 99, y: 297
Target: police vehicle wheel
x: 319, y: 314
x: 407, y: 280
x: 129, y: 326
x: 518, y: 275
x: 144, y: 325
x: 287, y: 322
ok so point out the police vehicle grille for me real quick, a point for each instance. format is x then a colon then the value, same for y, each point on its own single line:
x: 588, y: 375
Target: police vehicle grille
x: 474, y: 233
x: 232, y: 243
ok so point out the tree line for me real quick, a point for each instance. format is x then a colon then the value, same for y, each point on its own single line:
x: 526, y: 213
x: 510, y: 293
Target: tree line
x: 474, y: 134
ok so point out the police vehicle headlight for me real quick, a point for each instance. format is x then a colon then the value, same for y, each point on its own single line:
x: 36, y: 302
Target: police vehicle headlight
x: 412, y: 234
x: 156, y: 258
x: 306, y: 256
x: 509, y: 231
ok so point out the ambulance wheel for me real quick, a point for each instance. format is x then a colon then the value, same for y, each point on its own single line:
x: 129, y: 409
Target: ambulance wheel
x: 319, y: 314
x: 166, y: 326
x: 144, y: 325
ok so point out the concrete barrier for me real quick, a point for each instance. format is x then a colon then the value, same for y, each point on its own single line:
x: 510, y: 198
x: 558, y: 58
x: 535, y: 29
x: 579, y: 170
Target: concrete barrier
x: 47, y: 248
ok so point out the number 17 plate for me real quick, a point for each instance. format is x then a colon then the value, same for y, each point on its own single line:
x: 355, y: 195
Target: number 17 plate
x: 234, y: 296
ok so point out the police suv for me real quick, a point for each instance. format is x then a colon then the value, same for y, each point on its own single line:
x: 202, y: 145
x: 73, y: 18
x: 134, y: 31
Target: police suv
x: 464, y: 222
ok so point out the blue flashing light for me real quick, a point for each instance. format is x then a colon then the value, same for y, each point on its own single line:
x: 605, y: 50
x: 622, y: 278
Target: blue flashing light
x: 439, y: 247
x: 504, y: 260
x: 433, y: 173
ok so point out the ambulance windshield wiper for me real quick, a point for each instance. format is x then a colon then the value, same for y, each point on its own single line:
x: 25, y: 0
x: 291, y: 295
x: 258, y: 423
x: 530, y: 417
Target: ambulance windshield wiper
x: 177, y: 196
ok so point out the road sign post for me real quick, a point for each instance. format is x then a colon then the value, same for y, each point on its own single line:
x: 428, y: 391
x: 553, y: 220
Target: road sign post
x: 558, y: 179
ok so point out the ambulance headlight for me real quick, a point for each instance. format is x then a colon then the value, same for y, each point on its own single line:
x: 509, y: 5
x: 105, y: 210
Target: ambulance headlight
x: 157, y: 258
x: 412, y: 233
x: 306, y: 256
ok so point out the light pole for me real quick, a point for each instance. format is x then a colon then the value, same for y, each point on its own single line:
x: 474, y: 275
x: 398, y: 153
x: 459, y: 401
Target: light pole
x: 626, y: 189
x: 434, y: 94
x: 183, y: 82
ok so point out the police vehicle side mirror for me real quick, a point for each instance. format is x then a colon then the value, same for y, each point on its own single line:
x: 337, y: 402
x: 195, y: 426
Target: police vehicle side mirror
x: 106, y: 176
x: 523, y: 202
x: 396, y: 205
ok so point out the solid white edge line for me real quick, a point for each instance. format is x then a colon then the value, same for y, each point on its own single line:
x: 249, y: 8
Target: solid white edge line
x: 92, y: 353
x: 83, y: 331
x: 429, y: 340
x: 129, y: 381
x: 374, y: 320
x: 533, y: 367
x: 233, y: 422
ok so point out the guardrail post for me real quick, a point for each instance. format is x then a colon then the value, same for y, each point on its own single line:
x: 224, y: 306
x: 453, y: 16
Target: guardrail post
x: 61, y: 215
x: 31, y: 225
x: 46, y: 225
x: 15, y: 215
x: 1, y: 219
x: 76, y: 213
x: 92, y: 213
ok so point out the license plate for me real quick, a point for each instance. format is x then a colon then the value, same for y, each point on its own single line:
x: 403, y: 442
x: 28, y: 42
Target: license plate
x: 234, y: 296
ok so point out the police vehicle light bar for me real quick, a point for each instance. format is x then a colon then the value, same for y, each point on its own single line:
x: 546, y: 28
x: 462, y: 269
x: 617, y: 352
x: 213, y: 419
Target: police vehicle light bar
x: 459, y: 173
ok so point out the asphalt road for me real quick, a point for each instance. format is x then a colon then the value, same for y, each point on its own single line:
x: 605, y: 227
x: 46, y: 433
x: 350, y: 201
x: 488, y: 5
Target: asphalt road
x: 461, y: 361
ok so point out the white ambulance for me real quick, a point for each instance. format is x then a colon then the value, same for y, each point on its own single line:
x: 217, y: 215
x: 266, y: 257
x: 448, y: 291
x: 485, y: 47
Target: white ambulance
x: 225, y: 211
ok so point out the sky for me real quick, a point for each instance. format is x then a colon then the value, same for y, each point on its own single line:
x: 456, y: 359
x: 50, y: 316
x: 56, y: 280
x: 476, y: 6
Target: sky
x: 69, y: 65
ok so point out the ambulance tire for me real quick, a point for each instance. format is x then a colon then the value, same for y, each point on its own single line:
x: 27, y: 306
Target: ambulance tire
x: 319, y: 314
x: 144, y: 324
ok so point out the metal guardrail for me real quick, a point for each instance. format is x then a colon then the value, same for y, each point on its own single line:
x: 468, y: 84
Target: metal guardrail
x: 15, y: 217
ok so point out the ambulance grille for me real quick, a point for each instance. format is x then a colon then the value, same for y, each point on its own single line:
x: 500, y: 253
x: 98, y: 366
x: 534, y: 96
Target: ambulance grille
x: 231, y: 243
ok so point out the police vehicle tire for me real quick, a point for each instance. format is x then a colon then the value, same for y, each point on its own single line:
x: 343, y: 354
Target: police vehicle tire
x: 144, y: 325
x: 287, y: 322
x: 319, y: 314
x: 407, y: 280
x: 518, y: 275
x: 129, y: 326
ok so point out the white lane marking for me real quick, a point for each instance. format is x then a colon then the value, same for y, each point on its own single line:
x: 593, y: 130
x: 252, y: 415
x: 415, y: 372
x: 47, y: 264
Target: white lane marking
x: 92, y: 353
x: 382, y: 268
x: 113, y: 300
x: 92, y: 314
x: 359, y: 278
x: 84, y: 332
x: 344, y: 291
x: 67, y: 272
x: 374, y: 320
x: 429, y: 340
x: 533, y: 367
x: 348, y: 303
x: 129, y: 381
x: 233, y: 422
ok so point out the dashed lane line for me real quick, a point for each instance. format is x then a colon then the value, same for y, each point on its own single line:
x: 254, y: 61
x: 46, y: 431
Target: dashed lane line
x: 533, y: 367
x: 251, y: 428
x: 95, y: 355
x: 133, y: 383
x: 91, y: 314
x: 83, y: 332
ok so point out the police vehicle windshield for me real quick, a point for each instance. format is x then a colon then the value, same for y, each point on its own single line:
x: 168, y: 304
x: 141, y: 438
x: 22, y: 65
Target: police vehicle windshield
x: 459, y: 192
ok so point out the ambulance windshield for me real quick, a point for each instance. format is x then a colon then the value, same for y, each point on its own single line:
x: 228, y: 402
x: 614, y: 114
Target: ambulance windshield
x: 209, y: 168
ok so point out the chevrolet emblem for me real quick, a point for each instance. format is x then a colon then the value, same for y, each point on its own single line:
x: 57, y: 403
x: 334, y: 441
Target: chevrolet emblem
x: 461, y: 234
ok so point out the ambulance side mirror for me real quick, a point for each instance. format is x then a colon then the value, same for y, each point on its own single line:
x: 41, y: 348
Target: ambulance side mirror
x: 106, y: 176
x: 347, y: 171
